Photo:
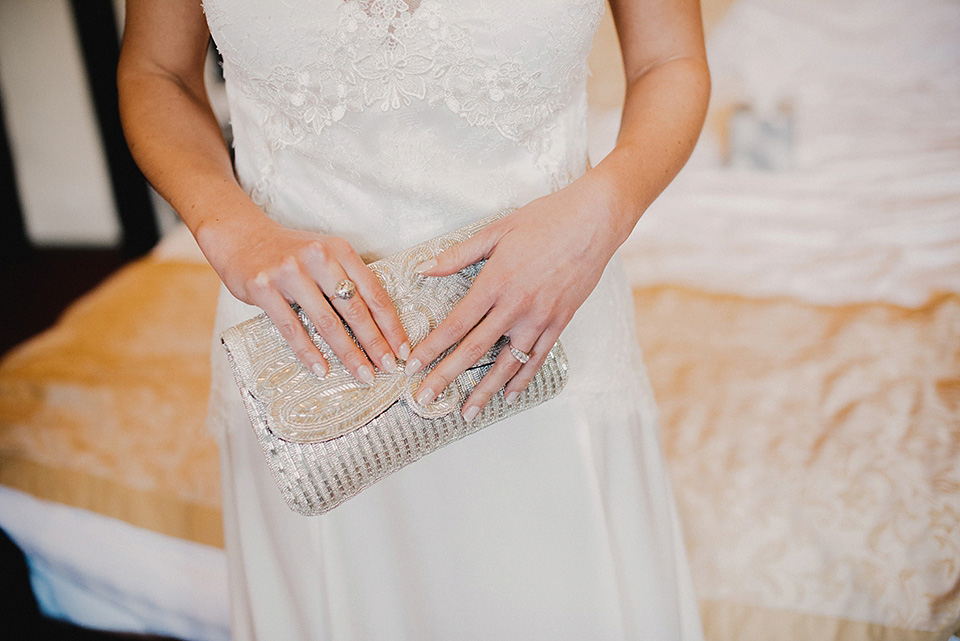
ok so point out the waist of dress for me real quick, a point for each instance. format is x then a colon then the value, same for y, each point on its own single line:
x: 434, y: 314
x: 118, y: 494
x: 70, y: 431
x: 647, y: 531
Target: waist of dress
x: 388, y: 180
x: 382, y: 212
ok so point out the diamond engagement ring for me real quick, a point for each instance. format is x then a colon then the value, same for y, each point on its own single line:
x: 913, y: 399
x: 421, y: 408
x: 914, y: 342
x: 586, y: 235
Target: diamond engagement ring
x: 520, y: 355
x: 345, y: 289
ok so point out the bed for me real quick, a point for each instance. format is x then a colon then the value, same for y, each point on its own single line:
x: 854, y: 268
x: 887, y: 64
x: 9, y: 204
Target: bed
x: 797, y: 297
x: 108, y: 480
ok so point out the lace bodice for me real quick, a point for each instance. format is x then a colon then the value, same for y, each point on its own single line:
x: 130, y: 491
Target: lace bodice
x: 367, y: 116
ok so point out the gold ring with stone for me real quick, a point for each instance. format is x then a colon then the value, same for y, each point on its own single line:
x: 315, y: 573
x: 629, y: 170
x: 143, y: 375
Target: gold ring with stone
x: 345, y: 289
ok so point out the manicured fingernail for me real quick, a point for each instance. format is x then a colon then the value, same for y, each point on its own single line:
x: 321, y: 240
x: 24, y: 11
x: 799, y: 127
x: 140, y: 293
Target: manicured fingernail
x: 470, y: 413
x: 365, y: 374
x: 414, y: 366
x: 425, y: 266
x: 319, y: 370
x: 512, y: 396
x: 405, y: 350
x: 389, y: 363
x: 426, y: 396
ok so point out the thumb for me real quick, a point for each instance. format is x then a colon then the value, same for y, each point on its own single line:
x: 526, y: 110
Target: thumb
x: 460, y: 255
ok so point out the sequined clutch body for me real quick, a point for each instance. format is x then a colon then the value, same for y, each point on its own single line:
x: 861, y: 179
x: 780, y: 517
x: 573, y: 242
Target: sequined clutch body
x: 327, y: 439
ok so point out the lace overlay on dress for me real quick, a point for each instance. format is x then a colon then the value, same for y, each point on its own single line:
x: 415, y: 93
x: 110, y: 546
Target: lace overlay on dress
x: 385, y: 54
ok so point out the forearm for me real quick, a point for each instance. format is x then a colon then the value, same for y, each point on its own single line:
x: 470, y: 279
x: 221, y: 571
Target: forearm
x: 176, y: 140
x: 663, y: 114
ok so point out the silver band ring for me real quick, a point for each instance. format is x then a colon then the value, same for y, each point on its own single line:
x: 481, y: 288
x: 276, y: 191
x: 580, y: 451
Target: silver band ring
x: 345, y: 289
x: 520, y: 355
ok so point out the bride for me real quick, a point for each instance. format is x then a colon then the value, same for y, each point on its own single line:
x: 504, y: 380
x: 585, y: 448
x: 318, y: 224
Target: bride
x: 362, y: 127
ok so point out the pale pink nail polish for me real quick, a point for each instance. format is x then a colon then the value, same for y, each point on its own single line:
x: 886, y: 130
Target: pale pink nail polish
x: 389, y: 363
x: 405, y: 350
x: 319, y: 370
x: 426, y: 396
x: 511, y: 397
x: 414, y: 366
x: 365, y: 374
x: 425, y: 266
x: 470, y: 413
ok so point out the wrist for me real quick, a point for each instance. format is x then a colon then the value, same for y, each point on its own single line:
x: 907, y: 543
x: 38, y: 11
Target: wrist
x: 617, y: 196
x: 224, y: 226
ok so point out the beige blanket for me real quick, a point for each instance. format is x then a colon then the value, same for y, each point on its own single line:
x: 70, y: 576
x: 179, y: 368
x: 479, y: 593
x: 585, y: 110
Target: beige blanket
x: 105, y: 411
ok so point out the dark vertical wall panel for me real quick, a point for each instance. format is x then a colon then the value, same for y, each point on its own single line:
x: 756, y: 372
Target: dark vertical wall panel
x: 97, y: 30
x: 14, y: 243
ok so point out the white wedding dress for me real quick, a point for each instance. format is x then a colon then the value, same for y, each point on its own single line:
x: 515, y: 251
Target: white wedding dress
x: 388, y: 122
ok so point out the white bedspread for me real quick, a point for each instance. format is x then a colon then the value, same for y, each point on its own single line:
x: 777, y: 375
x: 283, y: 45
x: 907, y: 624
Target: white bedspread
x: 141, y: 582
x: 870, y: 210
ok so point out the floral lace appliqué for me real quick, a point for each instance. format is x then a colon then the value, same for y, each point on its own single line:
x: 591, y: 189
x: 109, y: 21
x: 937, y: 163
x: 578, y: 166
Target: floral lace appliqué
x: 382, y: 54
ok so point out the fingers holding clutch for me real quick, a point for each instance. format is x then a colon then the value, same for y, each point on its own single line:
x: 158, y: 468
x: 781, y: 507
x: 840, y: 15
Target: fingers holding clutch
x: 535, y: 359
x: 329, y: 326
x: 349, y: 287
x: 511, y: 372
x: 288, y: 323
x: 504, y: 369
x: 330, y: 283
x: 384, y: 324
x: 470, y: 350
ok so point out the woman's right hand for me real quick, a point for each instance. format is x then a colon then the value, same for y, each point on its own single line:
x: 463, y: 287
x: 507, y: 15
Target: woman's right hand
x: 176, y: 139
x: 270, y: 266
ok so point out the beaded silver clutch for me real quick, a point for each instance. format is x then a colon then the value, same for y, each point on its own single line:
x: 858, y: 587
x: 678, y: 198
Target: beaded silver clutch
x: 327, y: 439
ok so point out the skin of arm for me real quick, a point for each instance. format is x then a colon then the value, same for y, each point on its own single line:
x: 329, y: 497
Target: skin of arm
x: 547, y: 257
x: 175, y: 138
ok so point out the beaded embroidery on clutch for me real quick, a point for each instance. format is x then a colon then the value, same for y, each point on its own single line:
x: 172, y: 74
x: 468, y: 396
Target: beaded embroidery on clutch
x: 327, y: 439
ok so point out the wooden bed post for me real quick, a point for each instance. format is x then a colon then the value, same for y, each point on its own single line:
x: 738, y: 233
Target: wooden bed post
x: 14, y: 243
x: 97, y: 30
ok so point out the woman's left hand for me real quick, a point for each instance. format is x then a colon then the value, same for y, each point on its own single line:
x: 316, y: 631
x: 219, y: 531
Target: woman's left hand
x: 546, y: 257
x: 543, y: 260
